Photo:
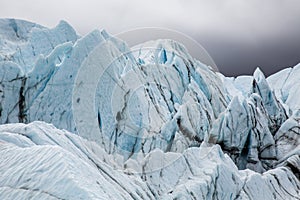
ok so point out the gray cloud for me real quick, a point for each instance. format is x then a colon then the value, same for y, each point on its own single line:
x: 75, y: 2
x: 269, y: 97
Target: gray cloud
x: 238, y: 34
x: 235, y: 57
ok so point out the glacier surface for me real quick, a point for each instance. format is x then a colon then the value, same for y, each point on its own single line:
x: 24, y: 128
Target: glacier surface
x: 86, y: 117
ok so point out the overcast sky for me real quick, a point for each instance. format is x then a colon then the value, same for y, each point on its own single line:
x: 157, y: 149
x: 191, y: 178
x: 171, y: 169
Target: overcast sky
x: 238, y: 34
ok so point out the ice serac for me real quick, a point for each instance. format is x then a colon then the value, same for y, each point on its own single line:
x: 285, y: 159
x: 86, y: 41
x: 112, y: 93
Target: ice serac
x: 232, y: 128
x: 273, y: 107
x: 286, y: 86
x: 165, y: 102
x: 261, y: 144
x: 243, y: 132
x: 287, y: 140
x: 23, y: 46
x: 11, y: 85
x: 56, y: 74
x: 148, y: 122
x: 23, y: 42
x: 264, y: 114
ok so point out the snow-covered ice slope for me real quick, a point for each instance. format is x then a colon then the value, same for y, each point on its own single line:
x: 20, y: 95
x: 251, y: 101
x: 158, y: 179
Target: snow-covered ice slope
x: 39, y: 161
x: 142, y: 123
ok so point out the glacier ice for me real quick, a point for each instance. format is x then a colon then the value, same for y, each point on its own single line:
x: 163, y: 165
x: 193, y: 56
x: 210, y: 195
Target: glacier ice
x: 86, y: 117
x: 40, y: 161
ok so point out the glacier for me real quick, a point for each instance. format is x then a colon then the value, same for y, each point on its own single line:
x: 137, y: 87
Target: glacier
x: 87, y: 117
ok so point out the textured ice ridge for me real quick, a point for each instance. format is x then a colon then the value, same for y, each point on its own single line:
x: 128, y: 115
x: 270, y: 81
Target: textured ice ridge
x: 148, y: 123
